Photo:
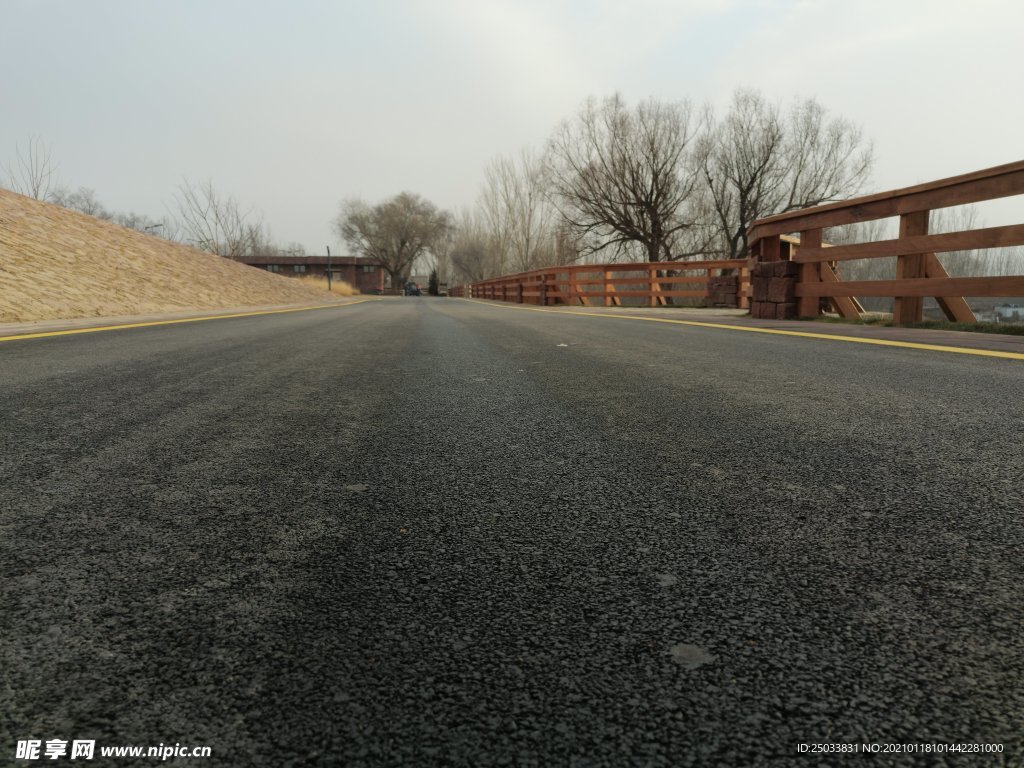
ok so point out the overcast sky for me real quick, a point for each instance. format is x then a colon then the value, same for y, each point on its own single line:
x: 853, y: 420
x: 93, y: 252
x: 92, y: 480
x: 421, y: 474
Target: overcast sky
x: 293, y: 106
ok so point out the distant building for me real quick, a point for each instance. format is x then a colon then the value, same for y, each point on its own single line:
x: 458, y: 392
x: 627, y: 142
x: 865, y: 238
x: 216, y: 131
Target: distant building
x: 365, y: 275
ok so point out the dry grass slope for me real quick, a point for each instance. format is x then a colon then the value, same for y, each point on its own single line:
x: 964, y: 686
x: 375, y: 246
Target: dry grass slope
x: 339, y: 287
x: 56, y: 263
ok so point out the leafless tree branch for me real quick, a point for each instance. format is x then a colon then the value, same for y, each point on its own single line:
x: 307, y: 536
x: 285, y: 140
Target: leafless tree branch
x: 34, y: 171
x: 217, y: 224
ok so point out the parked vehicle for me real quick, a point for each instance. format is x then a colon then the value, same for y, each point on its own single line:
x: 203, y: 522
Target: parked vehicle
x: 412, y: 289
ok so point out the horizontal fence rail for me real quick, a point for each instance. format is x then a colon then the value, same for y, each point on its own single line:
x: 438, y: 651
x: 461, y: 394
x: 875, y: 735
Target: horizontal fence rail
x: 653, y: 283
x: 919, y: 272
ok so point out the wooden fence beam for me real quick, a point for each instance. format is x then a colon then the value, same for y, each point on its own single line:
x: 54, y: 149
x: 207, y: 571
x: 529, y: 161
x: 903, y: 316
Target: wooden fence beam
x: 991, y: 237
x: 930, y: 287
x: 989, y: 184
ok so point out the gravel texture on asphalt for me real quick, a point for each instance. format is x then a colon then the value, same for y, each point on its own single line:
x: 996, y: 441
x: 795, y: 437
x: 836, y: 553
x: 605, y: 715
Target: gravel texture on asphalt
x: 430, y: 532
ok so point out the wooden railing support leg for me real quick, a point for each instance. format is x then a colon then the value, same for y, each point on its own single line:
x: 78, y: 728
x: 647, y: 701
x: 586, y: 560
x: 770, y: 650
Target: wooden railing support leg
x: 954, y: 307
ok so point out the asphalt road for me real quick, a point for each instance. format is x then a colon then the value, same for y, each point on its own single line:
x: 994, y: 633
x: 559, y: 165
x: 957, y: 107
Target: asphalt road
x: 431, y: 532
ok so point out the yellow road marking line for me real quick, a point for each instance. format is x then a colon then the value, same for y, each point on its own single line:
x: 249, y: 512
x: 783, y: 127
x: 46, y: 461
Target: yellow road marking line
x: 94, y: 329
x: 776, y: 332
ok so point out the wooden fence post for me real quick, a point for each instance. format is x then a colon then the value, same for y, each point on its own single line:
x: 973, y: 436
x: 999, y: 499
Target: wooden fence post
x: 810, y: 272
x: 770, y: 249
x: 910, y: 309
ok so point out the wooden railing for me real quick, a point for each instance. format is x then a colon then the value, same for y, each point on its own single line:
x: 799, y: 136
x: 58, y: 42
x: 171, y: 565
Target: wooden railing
x: 919, y: 273
x: 654, y: 283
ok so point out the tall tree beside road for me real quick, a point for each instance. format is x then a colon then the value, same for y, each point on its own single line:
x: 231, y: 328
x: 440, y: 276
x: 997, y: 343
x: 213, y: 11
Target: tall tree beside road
x: 395, y: 232
x: 758, y: 161
x: 624, y: 179
x: 473, y: 254
x: 519, y: 212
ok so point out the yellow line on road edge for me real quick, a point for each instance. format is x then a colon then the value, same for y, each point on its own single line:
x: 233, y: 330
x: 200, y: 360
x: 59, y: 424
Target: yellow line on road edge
x: 775, y: 332
x: 94, y: 329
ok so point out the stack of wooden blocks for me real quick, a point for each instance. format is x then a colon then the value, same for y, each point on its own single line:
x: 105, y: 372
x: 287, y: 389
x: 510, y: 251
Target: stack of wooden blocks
x: 723, y: 291
x: 773, y: 290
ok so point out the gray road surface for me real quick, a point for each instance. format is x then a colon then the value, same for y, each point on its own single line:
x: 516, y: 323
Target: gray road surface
x: 429, y: 532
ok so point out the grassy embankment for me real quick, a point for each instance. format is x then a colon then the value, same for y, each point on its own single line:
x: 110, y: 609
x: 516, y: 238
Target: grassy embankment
x: 61, y: 264
x: 338, y: 287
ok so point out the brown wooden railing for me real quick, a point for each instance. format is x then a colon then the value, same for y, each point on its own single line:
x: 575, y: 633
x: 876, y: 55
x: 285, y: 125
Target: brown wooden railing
x: 919, y: 273
x: 654, y: 283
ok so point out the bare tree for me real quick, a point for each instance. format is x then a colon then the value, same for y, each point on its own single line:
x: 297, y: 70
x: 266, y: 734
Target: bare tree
x: 758, y: 162
x: 522, y: 219
x: 34, y: 172
x: 565, y: 245
x: 438, y: 259
x: 217, y: 224
x: 472, y: 253
x: 83, y: 200
x: 624, y: 179
x: 395, y: 232
x: 292, y: 249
